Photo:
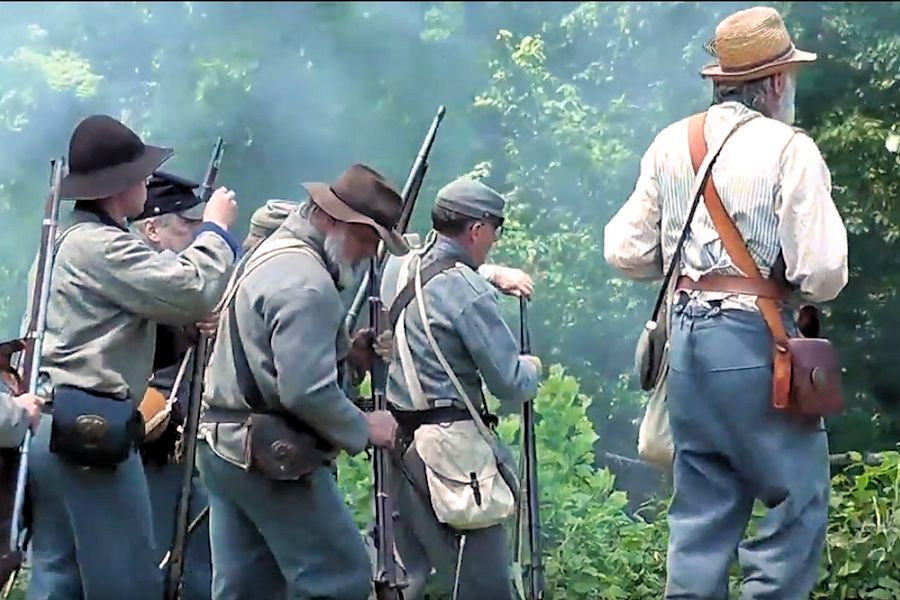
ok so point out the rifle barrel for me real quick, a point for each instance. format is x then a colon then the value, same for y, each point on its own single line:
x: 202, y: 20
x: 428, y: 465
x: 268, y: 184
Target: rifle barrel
x: 212, y: 171
x: 37, y: 324
x: 536, y: 575
x: 192, y: 422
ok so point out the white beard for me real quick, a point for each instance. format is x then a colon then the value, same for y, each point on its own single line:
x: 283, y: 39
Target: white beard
x: 348, y: 273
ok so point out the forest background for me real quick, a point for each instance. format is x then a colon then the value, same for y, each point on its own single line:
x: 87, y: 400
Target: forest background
x: 551, y: 103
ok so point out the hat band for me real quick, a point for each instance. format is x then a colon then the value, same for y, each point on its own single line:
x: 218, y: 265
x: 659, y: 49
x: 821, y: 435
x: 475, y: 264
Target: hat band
x: 749, y: 67
x: 353, y: 208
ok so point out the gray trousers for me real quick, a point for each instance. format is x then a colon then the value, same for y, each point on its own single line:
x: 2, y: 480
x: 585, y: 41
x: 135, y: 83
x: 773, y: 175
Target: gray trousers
x: 92, y: 531
x: 164, y: 482
x: 273, y: 540
x: 731, y: 448
x: 424, y: 543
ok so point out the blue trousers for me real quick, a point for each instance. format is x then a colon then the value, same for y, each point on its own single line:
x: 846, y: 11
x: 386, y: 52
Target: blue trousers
x: 281, y: 539
x: 164, y: 482
x: 92, y: 531
x: 731, y: 449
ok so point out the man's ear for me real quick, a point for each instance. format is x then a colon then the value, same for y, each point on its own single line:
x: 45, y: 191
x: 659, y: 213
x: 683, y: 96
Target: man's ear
x: 779, y: 83
x: 151, y: 231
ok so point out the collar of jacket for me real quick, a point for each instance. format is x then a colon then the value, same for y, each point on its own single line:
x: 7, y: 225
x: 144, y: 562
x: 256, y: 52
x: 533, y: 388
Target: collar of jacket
x: 301, y: 228
x: 446, y: 247
x: 91, y: 213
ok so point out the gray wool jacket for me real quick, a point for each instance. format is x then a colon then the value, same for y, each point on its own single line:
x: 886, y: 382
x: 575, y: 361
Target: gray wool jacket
x: 289, y: 319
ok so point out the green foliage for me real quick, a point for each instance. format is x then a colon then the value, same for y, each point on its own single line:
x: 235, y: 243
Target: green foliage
x: 863, y: 558
x: 583, y: 516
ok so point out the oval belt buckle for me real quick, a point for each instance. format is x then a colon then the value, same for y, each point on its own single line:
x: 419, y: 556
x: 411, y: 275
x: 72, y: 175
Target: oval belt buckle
x: 281, y: 450
x: 91, y: 427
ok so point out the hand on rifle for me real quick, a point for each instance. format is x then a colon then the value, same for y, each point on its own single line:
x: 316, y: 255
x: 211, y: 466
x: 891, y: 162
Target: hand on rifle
x: 31, y: 404
x: 514, y: 282
x: 382, y: 428
x: 209, y: 326
x: 365, y: 347
x: 221, y: 208
x: 534, y: 360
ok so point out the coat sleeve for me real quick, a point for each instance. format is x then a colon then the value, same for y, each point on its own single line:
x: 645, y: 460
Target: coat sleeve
x: 632, y: 238
x: 302, y: 322
x: 169, y: 290
x: 13, y: 422
x: 812, y: 234
x: 494, y: 350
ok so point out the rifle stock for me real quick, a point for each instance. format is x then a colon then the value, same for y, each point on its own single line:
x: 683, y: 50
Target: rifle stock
x: 409, y: 195
x: 191, y: 428
x: 29, y: 348
x: 532, y: 512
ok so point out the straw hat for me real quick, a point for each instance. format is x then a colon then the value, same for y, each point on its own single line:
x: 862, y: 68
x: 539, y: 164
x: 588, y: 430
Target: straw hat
x: 752, y: 44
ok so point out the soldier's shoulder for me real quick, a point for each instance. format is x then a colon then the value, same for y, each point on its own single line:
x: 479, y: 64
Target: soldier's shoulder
x: 468, y: 280
x: 83, y: 243
x: 292, y: 271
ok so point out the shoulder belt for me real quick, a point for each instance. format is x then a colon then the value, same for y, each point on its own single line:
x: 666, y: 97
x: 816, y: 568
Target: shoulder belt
x: 243, y: 373
x: 262, y: 254
x: 405, y: 296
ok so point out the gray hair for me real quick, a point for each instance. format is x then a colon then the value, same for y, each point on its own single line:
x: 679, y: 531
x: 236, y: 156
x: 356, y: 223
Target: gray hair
x: 161, y: 222
x: 752, y: 94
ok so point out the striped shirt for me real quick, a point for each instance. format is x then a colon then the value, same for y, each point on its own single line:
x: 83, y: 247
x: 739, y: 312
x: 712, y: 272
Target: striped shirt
x: 774, y: 184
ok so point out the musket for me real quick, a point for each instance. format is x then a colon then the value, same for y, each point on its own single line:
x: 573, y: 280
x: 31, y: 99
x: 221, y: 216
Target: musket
x: 532, y: 512
x: 175, y: 556
x: 30, y: 358
x: 386, y: 581
x: 409, y: 195
x: 212, y: 171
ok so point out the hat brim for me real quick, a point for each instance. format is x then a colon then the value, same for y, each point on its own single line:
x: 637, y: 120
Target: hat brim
x: 325, y: 199
x: 715, y: 72
x: 194, y: 213
x: 114, y: 180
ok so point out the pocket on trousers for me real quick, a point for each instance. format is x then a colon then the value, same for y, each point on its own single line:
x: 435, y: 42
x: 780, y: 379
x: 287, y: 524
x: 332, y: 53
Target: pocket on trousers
x: 728, y: 341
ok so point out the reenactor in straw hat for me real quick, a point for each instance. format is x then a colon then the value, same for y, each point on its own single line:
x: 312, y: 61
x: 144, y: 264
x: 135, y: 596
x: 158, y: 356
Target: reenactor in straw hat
x: 276, y: 415
x: 91, y: 518
x: 455, y: 485
x: 172, y: 216
x: 733, y: 444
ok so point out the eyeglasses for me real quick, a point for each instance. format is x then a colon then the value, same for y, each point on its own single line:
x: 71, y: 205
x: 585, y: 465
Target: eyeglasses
x: 497, y: 225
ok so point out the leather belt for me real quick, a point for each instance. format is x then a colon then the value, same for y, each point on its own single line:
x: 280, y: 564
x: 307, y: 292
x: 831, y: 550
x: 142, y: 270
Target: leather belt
x: 735, y: 285
x: 410, y: 420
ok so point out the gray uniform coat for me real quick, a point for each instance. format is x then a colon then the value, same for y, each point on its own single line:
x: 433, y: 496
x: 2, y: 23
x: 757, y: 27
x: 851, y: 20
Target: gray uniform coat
x: 464, y: 312
x: 92, y: 531
x: 108, y: 292
x: 290, y: 318
x: 288, y: 539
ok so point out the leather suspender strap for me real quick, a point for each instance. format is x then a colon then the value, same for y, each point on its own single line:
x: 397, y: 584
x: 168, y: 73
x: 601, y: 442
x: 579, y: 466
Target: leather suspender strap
x: 405, y: 296
x: 737, y: 251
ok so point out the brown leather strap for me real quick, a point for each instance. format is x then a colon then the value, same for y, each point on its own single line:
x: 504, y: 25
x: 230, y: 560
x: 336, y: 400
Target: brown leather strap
x: 735, y: 285
x: 737, y: 250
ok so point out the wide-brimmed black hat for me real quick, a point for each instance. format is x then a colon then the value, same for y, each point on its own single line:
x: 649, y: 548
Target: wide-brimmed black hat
x: 106, y: 158
x: 361, y: 195
x: 171, y: 194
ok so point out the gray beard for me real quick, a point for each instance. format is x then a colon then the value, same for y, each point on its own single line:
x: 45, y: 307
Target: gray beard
x: 348, y: 273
